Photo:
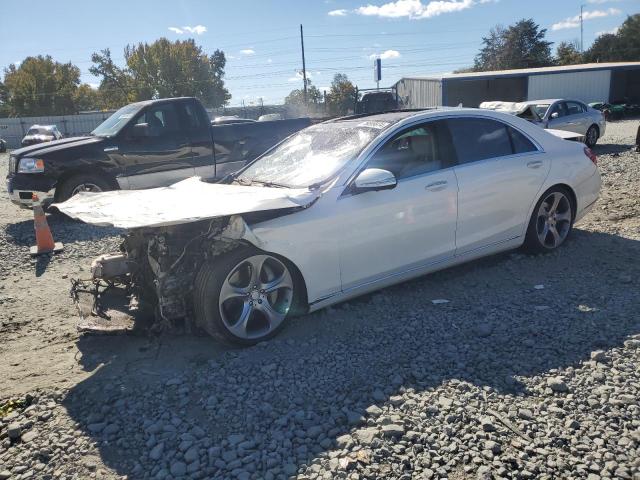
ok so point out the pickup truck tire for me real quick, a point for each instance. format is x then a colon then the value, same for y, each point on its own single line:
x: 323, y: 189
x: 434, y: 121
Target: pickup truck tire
x: 82, y: 182
x: 245, y: 296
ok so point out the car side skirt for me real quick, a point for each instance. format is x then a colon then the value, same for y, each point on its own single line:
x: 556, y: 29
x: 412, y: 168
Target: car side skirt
x: 415, y: 272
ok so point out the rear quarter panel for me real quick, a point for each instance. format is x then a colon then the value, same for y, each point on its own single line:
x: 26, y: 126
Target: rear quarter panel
x: 570, y: 166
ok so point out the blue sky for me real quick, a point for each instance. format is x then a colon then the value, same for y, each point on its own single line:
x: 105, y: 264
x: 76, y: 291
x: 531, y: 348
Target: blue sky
x: 261, y: 38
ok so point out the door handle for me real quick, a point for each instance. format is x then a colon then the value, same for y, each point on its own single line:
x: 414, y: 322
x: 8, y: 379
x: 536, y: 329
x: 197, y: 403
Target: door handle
x: 535, y: 164
x: 436, y: 186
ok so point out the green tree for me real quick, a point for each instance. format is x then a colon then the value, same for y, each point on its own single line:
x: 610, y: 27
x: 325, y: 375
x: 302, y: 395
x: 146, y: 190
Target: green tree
x: 86, y: 98
x: 521, y: 45
x: 116, y: 85
x: 342, y: 95
x: 296, y: 97
x: 568, y: 53
x: 617, y: 47
x: 629, y: 37
x: 4, y: 101
x: 162, y: 69
x: 41, y: 86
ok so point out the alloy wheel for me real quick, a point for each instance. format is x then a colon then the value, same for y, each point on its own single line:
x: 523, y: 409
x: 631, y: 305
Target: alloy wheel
x: 554, y: 220
x: 85, y: 187
x: 256, y: 296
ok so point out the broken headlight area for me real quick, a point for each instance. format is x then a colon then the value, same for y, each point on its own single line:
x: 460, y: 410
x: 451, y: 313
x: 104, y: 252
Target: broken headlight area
x: 148, y: 284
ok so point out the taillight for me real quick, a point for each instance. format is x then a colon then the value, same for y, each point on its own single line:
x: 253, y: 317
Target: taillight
x: 591, y: 155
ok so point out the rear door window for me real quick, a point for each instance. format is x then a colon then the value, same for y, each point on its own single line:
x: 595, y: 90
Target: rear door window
x: 574, y: 108
x: 479, y: 138
x: 521, y: 144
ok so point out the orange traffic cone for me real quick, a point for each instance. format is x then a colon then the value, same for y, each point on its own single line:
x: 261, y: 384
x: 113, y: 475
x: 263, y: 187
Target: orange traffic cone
x: 44, y: 239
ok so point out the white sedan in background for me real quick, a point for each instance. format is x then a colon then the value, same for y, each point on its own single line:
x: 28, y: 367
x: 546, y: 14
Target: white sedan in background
x: 380, y: 199
x: 558, y: 114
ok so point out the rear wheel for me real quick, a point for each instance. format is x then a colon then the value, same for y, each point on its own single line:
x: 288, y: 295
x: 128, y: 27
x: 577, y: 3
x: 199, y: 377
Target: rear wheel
x: 244, y: 297
x: 83, y: 182
x: 551, y: 221
x: 592, y: 135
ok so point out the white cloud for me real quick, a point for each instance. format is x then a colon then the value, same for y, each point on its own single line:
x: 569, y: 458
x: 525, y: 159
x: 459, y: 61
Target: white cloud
x: 269, y: 60
x: 613, y: 31
x: 415, y: 9
x: 197, y: 29
x: 602, y: 1
x: 248, y: 51
x: 387, y: 54
x: 341, y: 12
x: 574, y: 22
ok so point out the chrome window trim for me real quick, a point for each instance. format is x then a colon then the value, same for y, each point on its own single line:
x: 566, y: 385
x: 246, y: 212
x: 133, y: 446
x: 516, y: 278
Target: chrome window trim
x: 375, y: 146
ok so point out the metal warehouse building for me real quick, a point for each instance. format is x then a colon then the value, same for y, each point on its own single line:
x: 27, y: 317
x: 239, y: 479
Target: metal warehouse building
x: 591, y: 82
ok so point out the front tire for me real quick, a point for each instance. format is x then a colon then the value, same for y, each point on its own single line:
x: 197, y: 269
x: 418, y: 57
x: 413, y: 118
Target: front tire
x: 592, y: 135
x: 244, y: 297
x: 551, y: 221
x: 82, y: 182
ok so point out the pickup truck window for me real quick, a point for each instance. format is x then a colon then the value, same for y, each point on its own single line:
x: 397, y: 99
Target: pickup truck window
x: 112, y: 125
x: 162, y: 119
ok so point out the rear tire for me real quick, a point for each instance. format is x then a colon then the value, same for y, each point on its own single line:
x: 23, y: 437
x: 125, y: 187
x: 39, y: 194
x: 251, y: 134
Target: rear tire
x: 245, y: 296
x: 591, y: 137
x: 82, y: 182
x: 551, y: 222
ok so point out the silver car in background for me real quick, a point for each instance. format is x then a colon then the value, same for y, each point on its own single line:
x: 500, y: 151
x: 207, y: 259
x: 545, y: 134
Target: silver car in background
x: 558, y: 114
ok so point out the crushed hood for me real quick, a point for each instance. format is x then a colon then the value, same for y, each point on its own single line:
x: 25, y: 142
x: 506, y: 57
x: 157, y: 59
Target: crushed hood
x: 513, y: 108
x: 187, y: 201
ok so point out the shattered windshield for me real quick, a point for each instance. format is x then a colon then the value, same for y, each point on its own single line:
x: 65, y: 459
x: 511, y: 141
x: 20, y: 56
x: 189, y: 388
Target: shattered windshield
x: 540, y: 109
x: 311, y: 155
x: 112, y: 125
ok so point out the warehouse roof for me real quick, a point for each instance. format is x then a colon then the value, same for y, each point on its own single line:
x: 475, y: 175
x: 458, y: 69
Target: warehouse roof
x: 533, y: 71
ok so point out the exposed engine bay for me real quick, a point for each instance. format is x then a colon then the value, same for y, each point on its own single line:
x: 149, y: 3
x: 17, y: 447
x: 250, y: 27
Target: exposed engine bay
x: 149, y: 283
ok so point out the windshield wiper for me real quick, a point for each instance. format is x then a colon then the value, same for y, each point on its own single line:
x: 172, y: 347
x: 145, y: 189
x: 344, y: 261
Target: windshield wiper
x: 243, y: 181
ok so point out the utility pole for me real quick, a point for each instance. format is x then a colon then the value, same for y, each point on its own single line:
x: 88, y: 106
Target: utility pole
x: 304, y: 67
x: 581, y: 30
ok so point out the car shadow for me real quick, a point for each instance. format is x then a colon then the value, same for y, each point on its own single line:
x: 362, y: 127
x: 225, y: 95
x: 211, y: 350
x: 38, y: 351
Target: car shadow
x: 326, y: 368
x: 63, y: 228
x: 611, y: 148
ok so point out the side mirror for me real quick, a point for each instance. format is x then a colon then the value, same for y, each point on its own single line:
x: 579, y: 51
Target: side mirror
x: 140, y: 130
x: 554, y: 115
x: 373, y: 179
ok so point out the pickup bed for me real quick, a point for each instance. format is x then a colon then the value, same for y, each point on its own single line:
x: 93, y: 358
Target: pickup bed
x: 146, y: 144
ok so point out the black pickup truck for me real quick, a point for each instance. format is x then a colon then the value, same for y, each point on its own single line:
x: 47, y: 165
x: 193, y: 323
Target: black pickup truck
x: 142, y: 145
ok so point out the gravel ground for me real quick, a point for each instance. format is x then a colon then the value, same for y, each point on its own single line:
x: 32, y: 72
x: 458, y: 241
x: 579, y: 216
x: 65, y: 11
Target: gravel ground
x: 530, y: 370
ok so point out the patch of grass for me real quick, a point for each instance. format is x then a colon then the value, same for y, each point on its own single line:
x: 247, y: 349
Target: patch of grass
x: 12, y: 405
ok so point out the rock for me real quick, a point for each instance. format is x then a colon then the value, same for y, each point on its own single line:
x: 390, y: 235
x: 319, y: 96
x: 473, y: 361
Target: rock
x: 366, y: 435
x: 5, y: 474
x: 29, y: 436
x: 374, y: 411
x: 392, y: 430
x: 557, y: 384
x: 525, y: 414
x: 96, y: 427
x: 156, y: 452
x: 191, y: 455
x: 235, y: 439
x: 344, y: 441
x: 598, y: 356
x: 487, y: 424
x: 178, y: 469
x: 14, y: 430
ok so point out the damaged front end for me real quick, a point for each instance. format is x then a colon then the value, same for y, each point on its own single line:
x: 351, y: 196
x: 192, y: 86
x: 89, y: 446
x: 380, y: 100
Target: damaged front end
x: 149, y: 284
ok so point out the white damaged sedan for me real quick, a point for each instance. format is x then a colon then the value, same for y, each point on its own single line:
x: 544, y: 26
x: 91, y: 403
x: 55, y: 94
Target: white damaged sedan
x: 340, y: 209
